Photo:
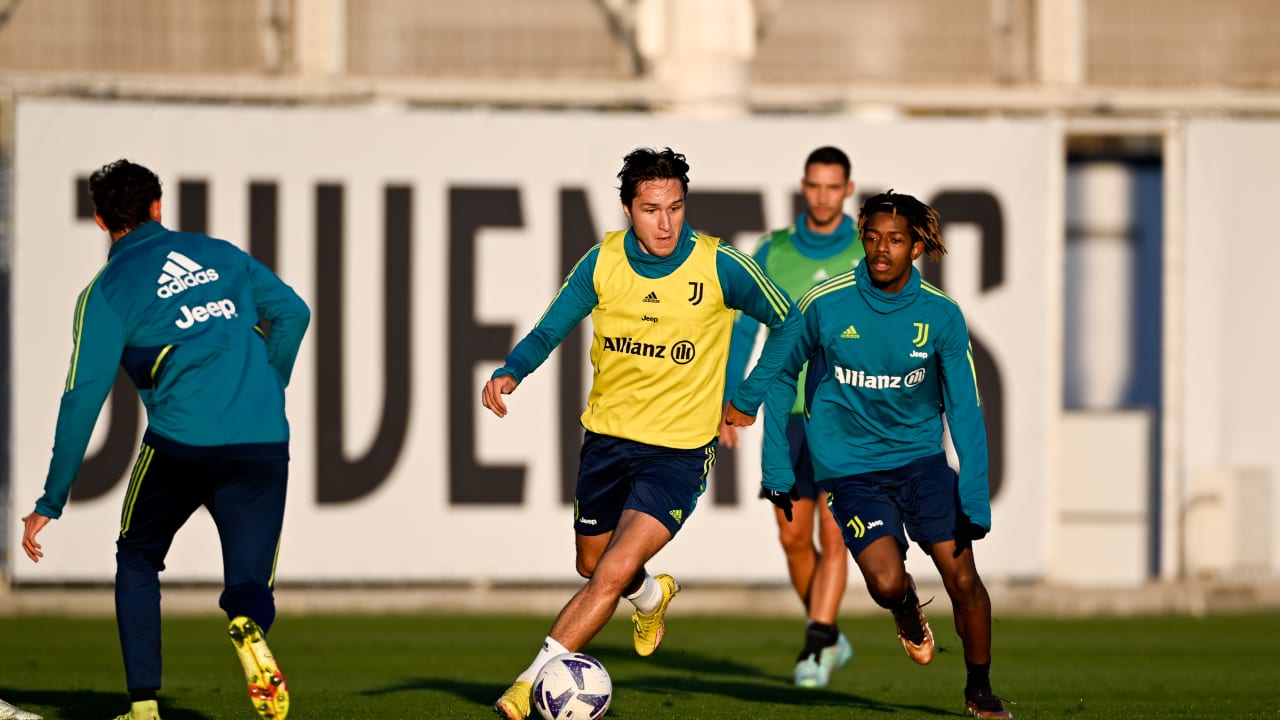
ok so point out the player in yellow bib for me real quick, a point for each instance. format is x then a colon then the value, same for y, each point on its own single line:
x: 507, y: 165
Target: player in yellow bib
x: 662, y: 300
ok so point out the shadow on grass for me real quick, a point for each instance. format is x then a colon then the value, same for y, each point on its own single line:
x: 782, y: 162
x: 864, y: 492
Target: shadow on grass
x: 677, y: 687
x: 695, y: 662
x: 480, y: 693
x: 679, y: 675
x: 689, y: 687
x: 90, y: 704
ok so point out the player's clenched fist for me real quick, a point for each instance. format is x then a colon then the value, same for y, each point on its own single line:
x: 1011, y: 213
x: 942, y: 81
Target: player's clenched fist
x: 734, y: 417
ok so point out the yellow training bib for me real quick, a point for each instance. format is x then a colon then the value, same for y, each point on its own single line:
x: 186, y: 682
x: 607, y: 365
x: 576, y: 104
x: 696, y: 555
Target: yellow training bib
x: 659, y: 349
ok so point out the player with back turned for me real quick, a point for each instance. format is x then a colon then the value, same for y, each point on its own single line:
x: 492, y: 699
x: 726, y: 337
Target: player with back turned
x: 889, y: 357
x: 662, y: 299
x: 183, y: 315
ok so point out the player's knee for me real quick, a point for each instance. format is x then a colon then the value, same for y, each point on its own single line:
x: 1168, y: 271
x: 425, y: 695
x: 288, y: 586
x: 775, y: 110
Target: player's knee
x: 795, y: 545
x: 587, y: 558
x: 612, y: 579
x: 586, y: 561
x: 883, y: 600
x: 886, y: 591
x: 964, y: 584
x: 794, y: 539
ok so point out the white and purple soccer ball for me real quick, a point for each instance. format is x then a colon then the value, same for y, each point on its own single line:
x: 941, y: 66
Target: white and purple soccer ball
x: 572, y: 686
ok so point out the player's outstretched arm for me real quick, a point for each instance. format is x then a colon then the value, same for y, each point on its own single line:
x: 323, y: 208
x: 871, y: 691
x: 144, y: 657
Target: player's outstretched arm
x: 32, y: 525
x: 491, y: 396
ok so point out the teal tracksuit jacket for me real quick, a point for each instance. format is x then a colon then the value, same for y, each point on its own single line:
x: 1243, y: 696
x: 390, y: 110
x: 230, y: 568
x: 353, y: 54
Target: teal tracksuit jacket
x: 884, y: 369
x: 182, y: 314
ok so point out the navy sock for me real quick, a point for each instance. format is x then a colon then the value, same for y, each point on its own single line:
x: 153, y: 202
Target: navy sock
x: 907, y: 613
x: 142, y: 694
x: 979, y: 676
x: 817, y: 636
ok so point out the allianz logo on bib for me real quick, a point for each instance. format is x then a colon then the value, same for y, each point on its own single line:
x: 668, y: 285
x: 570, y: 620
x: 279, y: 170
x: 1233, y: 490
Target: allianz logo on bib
x: 628, y: 346
x: 181, y: 272
x: 682, y: 352
x: 223, y: 308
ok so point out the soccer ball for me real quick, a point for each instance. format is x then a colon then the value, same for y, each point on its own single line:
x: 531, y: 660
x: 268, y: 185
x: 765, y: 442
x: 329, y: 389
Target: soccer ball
x: 572, y: 686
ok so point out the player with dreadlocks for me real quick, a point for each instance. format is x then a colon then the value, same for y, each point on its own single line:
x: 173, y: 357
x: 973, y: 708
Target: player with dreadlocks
x: 889, y: 356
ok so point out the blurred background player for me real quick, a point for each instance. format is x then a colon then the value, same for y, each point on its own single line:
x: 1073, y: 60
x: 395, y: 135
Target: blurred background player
x: 9, y: 712
x: 888, y: 356
x: 822, y: 243
x: 212, y: 378
x: 662, y: 299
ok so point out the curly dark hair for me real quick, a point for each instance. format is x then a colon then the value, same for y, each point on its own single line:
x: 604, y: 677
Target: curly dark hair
x: 922, y: 219
x: 644, y: 164
x: 122, y: 194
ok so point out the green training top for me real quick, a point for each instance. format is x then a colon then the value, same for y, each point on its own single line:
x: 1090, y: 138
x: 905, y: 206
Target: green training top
x: 797, y: 259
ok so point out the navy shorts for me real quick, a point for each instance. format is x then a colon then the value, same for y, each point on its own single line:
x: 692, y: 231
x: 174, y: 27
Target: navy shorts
x: 616, y: 475
x: 801, y: 462
x: 922, y: 497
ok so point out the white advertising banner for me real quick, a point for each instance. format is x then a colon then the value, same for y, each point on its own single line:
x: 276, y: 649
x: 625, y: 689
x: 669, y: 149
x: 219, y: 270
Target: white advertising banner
x: 427, y: 243
x: 1228, y: 443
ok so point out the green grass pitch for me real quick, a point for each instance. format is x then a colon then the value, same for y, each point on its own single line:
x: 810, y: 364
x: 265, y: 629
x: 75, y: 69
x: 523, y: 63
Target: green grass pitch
x: 412, y: 666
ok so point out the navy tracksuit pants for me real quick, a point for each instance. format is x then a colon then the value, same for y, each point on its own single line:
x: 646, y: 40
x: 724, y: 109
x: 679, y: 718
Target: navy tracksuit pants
x: 243, y: 488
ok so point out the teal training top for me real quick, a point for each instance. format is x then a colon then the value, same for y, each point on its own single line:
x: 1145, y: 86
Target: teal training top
x: 796, y: 258
x: 883, y: 371
x: 742, y: 282
x: 180, y: 313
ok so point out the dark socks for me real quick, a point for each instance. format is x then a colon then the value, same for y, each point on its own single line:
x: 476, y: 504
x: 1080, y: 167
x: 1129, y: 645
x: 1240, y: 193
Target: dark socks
x: 907, y: 614
x: 979, y: 677
x: 817, y: 636
x: 142, y: 694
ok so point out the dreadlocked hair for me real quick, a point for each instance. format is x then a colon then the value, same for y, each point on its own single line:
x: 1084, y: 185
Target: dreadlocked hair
x: 921, y: 219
